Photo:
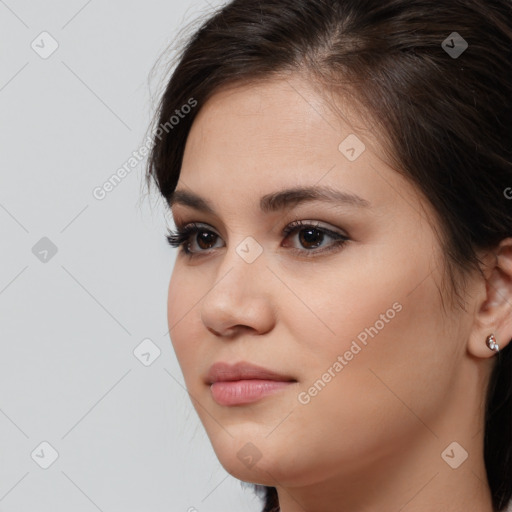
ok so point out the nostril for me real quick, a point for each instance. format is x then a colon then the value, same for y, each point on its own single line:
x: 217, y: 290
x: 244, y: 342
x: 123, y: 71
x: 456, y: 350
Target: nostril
x: 213, y: 331
x: 232, y: 331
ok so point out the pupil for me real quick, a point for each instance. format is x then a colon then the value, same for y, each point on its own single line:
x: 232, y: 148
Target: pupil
x: 204, y: 237
x: 311, y: 239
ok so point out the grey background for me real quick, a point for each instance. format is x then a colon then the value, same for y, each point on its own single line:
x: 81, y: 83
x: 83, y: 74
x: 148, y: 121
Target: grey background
x: 126, y: 434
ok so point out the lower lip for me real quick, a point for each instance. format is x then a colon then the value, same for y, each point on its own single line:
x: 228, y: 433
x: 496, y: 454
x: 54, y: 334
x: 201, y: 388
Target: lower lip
x: 240, y: 392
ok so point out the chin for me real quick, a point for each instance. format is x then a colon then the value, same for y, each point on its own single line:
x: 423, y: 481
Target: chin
x: 244, y: 457
x: 259, y: 461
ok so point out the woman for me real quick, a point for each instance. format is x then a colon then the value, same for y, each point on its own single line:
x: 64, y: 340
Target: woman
x: 340, y: 176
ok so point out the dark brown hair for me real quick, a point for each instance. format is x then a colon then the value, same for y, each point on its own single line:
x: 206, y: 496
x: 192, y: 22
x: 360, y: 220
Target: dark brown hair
x: 446, y: 116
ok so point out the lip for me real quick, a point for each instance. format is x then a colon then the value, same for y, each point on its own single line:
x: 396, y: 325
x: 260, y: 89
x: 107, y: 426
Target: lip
x: 224, y: 372
x: 244, y: 383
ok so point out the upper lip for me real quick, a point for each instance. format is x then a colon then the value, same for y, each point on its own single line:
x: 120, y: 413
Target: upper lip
x: 241, y: 371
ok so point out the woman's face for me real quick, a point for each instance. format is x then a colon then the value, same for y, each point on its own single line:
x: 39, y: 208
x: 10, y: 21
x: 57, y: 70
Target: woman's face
x: 357, y: 328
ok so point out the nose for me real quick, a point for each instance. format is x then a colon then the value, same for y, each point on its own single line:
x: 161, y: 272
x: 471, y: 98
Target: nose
x: 240, y: 298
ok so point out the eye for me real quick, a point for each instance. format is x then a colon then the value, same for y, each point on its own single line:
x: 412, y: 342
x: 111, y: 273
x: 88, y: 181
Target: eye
x: 311, y: 236
x: 182, y: 236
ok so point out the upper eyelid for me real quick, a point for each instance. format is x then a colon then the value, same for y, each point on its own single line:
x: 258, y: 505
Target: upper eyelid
x: 291, y: 227
x: 186, y: 231
x: 296, y: 223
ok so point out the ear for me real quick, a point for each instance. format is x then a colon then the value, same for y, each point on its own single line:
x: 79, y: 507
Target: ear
x: 494, y: 311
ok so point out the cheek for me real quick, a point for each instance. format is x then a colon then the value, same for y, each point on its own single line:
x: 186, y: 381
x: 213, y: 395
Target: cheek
x: 390, y: 306
x: 350, y: 299
x: 182, y: 301
x: 405, y: 338
x: 397, y: 358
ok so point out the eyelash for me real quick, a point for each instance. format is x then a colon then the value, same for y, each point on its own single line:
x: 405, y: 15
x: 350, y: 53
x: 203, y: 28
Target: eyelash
x: 181, y: 237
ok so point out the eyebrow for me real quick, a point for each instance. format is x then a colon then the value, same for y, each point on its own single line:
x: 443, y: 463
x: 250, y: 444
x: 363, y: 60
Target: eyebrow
x: 276, y: 201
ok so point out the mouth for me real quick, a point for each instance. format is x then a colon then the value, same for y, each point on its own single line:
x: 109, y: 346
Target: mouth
x: 244, y: 383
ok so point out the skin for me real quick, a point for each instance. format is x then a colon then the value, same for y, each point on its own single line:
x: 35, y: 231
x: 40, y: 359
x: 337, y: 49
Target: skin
x: 372, y: 438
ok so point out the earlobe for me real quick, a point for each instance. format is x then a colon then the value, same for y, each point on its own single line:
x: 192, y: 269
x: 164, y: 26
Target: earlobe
x: 492, y: 343
x: 485, y: 347
x: 493, y: 318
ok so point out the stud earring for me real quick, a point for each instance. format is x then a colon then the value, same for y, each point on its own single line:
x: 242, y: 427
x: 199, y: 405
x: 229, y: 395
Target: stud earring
x: 491, y: 343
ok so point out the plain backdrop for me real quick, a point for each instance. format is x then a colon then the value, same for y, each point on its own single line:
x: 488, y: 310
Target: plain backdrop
x: 93, y: 410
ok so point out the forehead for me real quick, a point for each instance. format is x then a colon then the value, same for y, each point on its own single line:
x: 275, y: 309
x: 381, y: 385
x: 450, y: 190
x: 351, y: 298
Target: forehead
x: 280, y: 115
x: 250, y: 140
